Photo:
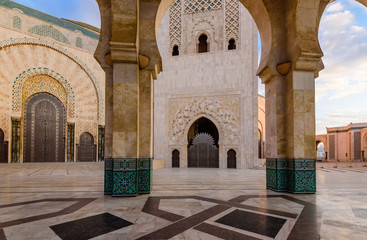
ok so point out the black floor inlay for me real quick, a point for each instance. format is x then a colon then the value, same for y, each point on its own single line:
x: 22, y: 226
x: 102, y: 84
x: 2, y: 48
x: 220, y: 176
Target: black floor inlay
x: 252, y: 222
x: 89, y: 227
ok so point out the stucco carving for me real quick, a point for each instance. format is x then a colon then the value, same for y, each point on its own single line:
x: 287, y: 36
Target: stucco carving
x: 228, y: 124
x: 32, y: 41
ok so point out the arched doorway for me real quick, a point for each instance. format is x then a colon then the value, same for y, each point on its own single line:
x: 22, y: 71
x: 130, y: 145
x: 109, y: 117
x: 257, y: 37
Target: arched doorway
x: 44, y: 129
x: 3, y: 148
x: 203, y: 148
x: 320, y: 147
x: 175, y: 158
x: 260, y: 143
x: 86, y: 148
x: 231, y: 159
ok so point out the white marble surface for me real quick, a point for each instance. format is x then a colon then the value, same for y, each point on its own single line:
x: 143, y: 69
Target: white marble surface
x: 337, y: 193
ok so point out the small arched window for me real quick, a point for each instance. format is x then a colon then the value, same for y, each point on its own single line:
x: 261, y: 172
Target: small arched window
x: 79, y: 42
x: 175, y: 51
x: 231, y: 44
x: 203, y: 44
x: 17, y: 22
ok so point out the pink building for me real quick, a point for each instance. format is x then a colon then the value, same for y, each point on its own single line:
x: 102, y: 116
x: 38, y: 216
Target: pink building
x: 347, y: 143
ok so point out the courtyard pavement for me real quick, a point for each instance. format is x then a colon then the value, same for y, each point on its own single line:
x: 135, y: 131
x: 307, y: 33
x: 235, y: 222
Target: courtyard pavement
x: 66, y: 201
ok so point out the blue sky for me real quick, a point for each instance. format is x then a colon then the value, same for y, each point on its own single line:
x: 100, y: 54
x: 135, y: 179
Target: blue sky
x: 341, y: 89
x: 80, y: 10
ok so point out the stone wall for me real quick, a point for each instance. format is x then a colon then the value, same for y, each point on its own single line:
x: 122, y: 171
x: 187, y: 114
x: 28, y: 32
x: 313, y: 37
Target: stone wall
x: 24, y: 55
x: 220, y: 85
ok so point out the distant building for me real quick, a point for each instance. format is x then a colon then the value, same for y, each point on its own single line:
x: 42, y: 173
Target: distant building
x: 346, y: 143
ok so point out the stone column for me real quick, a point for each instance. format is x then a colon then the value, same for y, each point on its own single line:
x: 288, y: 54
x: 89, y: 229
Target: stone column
x: 300, y: 132
x: 290, y: 131
x: 109, y: 112
x: 145, y: 114
x: 128, y: 171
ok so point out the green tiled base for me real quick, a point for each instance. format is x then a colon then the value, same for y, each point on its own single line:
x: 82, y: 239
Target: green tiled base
x: 291, y: 175
x: 108, y: 176
x: 127, y: 176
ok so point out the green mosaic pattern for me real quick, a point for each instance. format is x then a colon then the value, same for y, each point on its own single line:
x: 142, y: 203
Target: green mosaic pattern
x: 124, y: 184
x: 291, y: 175
x: 79, y: 42
x: 108, y: 176
x: 17, y: 22
x: 302, y: 176
x: 144, y: 175
x: 48, y: 31
x: 48, y: 18
x: 128, y: 176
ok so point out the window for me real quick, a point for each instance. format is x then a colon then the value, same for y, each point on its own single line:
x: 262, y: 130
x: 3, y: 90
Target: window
x: 203, y: 44
x: 79, y: 42
x: 175, y: 51
x: 231, y: 44
x: 17, y: 22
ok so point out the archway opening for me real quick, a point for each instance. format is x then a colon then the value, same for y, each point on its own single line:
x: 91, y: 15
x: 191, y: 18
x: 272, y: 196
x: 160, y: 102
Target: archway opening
x: 203, y: 147
x: 260, y: 144
x: 175, y: 158
x: 231, y: 159
x: 341, y: 85
x: 203, y: 45
x: 320, y: 147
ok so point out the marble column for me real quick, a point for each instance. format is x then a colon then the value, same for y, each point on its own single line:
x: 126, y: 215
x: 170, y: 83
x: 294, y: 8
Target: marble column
x: 109, y: 112
x: 290, y: 131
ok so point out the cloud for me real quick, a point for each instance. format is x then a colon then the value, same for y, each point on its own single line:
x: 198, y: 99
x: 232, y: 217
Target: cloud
x: 345, y: 47
x: 340, y: 117
x: 335, y: 7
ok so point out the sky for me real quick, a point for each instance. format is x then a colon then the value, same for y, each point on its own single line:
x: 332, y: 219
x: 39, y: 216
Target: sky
x: 80, y: 10
x: 341, y: 89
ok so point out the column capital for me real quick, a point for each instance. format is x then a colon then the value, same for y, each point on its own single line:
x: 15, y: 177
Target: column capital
x: 123, y: 52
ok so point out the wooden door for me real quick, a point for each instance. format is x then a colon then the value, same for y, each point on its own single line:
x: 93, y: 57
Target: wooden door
x: 203, y: 152
x: 86, y: 148
x: 44, y: 129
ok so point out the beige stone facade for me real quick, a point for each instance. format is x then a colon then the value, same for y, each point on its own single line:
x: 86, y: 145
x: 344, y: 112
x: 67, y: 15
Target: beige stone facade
x: 219, y: 85
x: 346, y: 143
x: 46, y: 54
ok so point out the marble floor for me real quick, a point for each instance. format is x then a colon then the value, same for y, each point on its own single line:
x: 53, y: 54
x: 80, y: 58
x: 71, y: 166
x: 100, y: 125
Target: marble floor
x: 66, y: 201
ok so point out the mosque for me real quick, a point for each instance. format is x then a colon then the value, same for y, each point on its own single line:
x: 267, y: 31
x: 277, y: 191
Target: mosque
x: 171, y: 85
x: 53, y: 90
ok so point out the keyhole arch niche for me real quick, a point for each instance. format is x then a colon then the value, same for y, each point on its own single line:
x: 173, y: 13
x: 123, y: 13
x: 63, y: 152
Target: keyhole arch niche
x: 199, y: 131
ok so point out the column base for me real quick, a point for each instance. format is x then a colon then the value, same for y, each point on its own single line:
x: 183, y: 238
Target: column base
x: 127, y: 177
x: 291, y: 175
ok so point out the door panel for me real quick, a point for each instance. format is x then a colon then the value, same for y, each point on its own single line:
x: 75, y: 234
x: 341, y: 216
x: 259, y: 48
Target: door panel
x: 44, y: 129
x: 203, y: 152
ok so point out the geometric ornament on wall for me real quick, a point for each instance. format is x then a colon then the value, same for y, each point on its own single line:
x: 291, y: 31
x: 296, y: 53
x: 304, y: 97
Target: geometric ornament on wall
x: 37, y: 85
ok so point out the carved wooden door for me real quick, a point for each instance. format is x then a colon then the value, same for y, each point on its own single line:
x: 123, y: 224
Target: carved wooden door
x: 203, y: 152
x: 175, y: 158
x: 86, y: 148
x: 44, y: 129
x: 231, y: 159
